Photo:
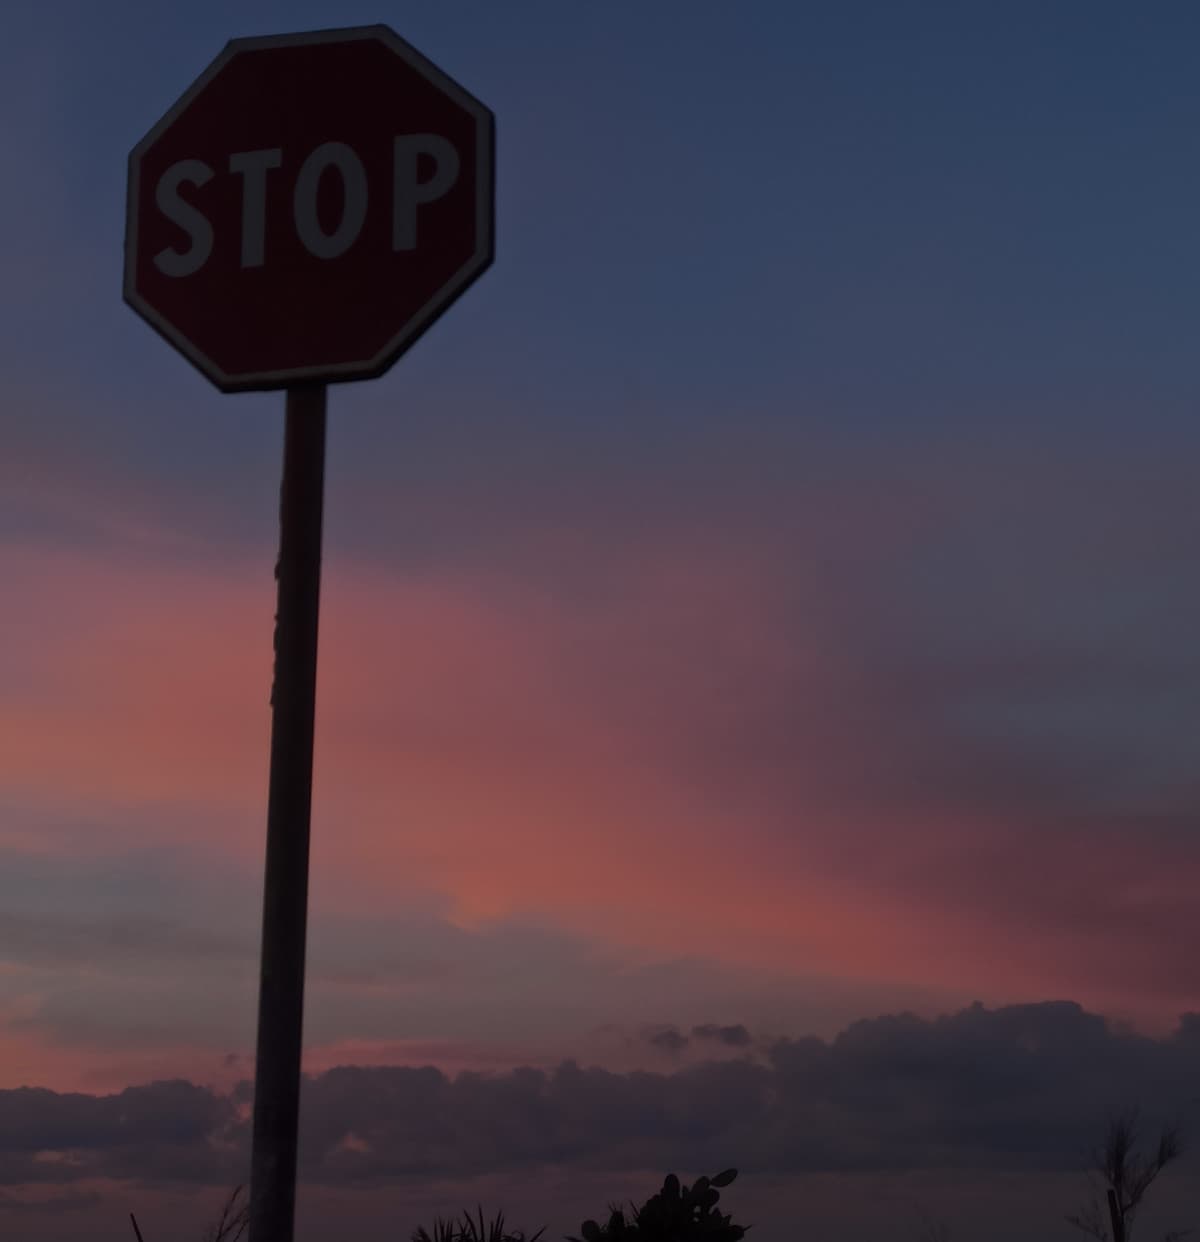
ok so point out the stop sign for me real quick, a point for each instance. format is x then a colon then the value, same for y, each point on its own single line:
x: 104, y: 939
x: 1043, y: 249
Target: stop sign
x: 308, y: 207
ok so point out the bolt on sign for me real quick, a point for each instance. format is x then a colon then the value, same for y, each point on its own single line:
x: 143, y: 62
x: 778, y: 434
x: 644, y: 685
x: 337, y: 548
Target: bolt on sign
x: 308, y: 208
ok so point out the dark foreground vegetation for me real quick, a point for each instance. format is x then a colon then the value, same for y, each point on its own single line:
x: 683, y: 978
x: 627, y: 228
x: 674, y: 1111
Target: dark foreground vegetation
x: 682, y: 1213
x: 686, y: 1213
x: 677, y: 1213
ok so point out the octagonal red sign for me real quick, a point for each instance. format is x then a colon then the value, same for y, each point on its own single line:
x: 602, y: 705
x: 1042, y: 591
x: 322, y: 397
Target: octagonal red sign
x: 308, y: 207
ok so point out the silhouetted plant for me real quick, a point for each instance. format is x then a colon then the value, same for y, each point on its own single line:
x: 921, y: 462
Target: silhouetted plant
x: 233, y: 1222
x: 674, y: 1214
x: 1126, y: 1179
x: 444, y: 1231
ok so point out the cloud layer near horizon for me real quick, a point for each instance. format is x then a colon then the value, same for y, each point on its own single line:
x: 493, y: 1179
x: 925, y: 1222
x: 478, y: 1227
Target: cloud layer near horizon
x: 1022, y: 1087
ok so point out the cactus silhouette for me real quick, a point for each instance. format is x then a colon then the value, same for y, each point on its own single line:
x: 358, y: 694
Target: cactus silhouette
x: 675, y: 1214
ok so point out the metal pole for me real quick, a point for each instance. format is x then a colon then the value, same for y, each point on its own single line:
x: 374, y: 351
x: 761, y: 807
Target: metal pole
x: 285, y: 886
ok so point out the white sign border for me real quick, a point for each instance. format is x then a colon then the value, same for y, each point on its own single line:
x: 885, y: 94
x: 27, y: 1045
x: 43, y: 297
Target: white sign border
x: 372, y: 368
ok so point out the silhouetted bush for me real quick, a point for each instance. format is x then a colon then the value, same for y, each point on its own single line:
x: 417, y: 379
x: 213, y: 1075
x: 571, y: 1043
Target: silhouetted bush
x: 675, y: 1214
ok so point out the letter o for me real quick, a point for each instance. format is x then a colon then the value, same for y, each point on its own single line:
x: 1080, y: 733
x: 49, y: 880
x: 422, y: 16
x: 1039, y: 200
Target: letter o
x: 354, y: 200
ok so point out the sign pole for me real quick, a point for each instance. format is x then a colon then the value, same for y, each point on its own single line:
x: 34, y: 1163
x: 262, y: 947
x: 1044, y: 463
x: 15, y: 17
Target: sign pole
x: 289, y: 803
x: 228, y: 258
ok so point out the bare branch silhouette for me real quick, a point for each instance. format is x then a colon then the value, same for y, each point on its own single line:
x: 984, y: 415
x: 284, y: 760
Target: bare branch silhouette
x: 233, y: 1222
x: 1125, y: 1178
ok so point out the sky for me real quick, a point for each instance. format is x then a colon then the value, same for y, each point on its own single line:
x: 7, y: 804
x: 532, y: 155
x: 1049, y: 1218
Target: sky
x: 757, y: 696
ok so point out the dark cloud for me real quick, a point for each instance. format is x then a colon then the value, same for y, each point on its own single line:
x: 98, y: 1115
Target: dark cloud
x: 34, y: 1118
x: 668, y: 1040
x: 734, y: 1036
x: 1024, y: 1087
x: 162, y: 1129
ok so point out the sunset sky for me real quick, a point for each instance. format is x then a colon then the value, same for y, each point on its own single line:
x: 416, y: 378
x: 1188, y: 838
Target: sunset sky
x: 759, y: 686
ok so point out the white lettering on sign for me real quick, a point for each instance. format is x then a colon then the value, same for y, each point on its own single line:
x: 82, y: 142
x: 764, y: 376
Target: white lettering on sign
x: 253, y: 166
x: 330, y: 158
x: 354, y: 200
x: 166, y: 195
x: 408, y: 192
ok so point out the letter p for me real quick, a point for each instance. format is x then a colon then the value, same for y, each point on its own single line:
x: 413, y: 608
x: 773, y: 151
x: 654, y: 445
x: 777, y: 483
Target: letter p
x: 409, y: 193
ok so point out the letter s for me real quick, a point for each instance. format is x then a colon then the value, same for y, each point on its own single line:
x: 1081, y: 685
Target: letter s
x: 166, y: 195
